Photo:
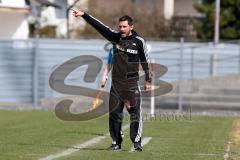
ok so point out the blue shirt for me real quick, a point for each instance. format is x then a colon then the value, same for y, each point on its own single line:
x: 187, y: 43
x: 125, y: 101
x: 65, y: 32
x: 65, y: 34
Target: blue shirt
x: 110, y: 56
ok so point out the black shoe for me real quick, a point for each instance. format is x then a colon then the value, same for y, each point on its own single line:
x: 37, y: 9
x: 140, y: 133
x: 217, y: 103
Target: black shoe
x: 114, y: 147
x: 137, y: 147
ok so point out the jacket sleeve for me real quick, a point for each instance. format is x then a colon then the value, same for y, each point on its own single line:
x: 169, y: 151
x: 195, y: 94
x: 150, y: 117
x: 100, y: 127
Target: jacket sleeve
x: 104, y: 30
x: 145, y: 60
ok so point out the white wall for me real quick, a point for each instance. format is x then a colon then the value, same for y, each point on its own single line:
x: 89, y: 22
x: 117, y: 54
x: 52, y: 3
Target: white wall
x: 168, y: 10
x: 13, y: 25
x: 13, y: 3
x: 55, y: 17
x: 48, y: 17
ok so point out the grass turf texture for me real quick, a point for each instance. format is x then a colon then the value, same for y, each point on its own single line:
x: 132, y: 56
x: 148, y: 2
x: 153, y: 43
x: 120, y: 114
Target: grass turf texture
x: 35, y: 134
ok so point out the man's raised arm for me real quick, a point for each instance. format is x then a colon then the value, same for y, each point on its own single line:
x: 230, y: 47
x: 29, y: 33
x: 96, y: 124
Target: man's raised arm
x: 107, y: 32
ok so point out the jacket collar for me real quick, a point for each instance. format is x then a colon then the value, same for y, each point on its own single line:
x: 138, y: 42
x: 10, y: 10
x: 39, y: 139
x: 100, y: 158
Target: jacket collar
x: 133, y: 35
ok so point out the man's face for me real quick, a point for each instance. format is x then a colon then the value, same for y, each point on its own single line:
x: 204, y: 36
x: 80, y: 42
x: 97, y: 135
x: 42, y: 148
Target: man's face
x: 125, y: 29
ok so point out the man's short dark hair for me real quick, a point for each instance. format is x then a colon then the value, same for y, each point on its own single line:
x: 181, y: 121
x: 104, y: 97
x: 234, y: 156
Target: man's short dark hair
x: 126, y: 18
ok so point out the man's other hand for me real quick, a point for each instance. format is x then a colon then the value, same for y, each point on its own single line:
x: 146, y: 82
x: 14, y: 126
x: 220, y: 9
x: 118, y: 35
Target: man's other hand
x: 148, y: 86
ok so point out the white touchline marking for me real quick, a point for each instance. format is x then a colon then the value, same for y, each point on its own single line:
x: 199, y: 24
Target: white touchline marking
x: 145, y: 141
x: 78, y: 147
x: 74, y: 149
x: 226, y: 155
x: 205, y: 154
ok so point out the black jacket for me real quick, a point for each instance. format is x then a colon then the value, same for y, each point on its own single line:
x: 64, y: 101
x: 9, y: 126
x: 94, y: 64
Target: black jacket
x: 128, y: 54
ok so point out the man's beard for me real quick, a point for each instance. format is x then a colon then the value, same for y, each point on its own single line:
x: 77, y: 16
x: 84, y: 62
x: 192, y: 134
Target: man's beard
x: 125, y: 34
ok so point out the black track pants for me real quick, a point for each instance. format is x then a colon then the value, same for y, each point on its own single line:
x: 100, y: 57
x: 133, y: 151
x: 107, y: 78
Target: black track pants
x: 125, y: 94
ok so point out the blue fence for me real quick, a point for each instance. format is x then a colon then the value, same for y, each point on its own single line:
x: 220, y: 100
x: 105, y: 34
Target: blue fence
x: 25, y: 65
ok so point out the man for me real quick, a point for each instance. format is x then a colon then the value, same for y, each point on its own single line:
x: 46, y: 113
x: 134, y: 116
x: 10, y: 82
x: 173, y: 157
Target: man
x: 130, y: 52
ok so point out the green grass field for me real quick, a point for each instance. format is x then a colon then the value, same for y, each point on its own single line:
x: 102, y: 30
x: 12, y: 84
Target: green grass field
x: 30, y: 135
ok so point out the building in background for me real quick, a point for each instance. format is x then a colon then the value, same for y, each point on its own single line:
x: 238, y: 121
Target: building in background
x: 167, y: 8
x: 165, y: 19
x: 22, y: 19
x: 51, y: 18
x: 13, y: 17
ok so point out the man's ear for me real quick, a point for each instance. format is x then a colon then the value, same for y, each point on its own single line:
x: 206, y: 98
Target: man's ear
x: 131, y: 27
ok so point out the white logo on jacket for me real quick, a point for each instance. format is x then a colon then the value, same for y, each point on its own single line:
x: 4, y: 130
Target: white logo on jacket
x: 132, y: 51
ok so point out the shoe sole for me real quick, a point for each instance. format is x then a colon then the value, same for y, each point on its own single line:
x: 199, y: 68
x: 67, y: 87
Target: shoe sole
x: 134, y: 151
x: 114, y: 150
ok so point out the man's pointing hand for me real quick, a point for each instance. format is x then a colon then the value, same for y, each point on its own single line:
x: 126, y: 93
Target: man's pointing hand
x: 77, y: 13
